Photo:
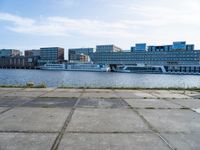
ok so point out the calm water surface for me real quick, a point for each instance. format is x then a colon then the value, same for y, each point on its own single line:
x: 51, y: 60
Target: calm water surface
x: 96, y: 79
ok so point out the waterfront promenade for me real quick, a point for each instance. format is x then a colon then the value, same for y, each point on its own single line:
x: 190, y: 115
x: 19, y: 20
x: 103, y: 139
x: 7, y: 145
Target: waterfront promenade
x: 99, y: 119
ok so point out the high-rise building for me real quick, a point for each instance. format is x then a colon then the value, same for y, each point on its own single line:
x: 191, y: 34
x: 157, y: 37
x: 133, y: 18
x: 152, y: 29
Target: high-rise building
x: 51, y: 55
x: 107, y: 48
x: 9, y: 52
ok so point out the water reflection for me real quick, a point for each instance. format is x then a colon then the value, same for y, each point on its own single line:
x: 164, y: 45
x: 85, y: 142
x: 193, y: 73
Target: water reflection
x: 97, y: 79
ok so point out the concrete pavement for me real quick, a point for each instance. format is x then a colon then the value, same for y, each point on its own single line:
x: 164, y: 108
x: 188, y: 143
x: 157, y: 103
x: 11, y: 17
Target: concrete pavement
x: 99, y: 119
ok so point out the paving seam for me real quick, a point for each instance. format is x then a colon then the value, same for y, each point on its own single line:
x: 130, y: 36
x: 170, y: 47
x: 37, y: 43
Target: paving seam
x: 66, y: 123
x: 4, y: 131
x: 115, y: 132
x: 16, y: 106
x: 183, y: 107
x: 34, y: 98
x: 156, y: 97
x: 12, y: 91
x: 6, y: 110
x: 47, y: 92
x: 184, y: 93
x: 150, y: 126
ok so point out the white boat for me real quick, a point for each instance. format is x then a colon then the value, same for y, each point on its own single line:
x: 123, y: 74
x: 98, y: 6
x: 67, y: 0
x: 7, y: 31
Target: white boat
x: 141, y: 69
x: 53, y: 67
x: 87, y: 67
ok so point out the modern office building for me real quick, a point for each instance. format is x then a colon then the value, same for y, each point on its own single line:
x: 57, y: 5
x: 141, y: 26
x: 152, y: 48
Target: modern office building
x: 79, y: 54
x: 79, y: 58
x: 176, y: 46
x: 31, y: 53
x: 179, y: 45
x: 51, y: 55
x: 107, y: 48
x: 9, y: 52
x: 178, y: 57
x: 19, y: 62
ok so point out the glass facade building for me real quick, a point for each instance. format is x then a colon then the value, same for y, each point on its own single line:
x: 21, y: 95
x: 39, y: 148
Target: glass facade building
x: 107, y: 48
x: 179, y: 45
x: 177, y: 55
x: 75, y: 54
x: 51, y: 55
x: 9, y: 52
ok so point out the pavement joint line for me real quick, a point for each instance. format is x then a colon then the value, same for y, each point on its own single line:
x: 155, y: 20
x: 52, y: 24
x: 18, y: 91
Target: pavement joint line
x: 65, y: 125
x: 183, y: 93
x: 9, y: 92
x: 15, y: 131
x: 47, y: 92
x: 149, y: 93
x: 165, y: 141
x: 115, y: 132
x: 6, y: 110
x: 107, y: 107
x: 16, y: 106
x: 183, y: 107
x: 150, y: 126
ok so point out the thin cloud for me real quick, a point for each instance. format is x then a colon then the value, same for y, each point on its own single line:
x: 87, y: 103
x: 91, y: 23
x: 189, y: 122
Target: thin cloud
x: 63, y: 26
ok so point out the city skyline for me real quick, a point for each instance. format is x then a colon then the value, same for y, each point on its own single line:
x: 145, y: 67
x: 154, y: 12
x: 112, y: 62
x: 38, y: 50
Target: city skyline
x: 74, y: 23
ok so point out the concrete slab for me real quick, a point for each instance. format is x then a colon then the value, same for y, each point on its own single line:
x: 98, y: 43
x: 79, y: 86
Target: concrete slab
x: 102, y: 103
x: 38, y: 89
x: 62, y: 94
x: 126, y: 91
x: 11, y: 89
x: 98, y: 90
x: 172, y: 95
x: 145, y: 95
x: 69, y: 90
x: 13, y: 101
x: 178, y: 91
x: 127, y: 95
x: 26, y: 141
x: 24, y: 94
x: 3, y: 109
x: 51, y: 102
x: 191, y: 103
x: 160, y: 91
x: 106, y: 120
x: 111, y: 142
x: 194, y: 95
x: 99, y: 95
x: 196, y: 110
x: 173, y: 120
x: 151, y: 103
x: 181, y: 141
x: 33, y: 119
x: 157, y: 91
x: 3, y: 92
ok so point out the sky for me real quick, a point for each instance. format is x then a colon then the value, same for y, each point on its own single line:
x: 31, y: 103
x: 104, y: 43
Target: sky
x: 31, y: 24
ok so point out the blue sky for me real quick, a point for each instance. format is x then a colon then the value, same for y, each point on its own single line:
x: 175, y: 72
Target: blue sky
x: 29, y: 24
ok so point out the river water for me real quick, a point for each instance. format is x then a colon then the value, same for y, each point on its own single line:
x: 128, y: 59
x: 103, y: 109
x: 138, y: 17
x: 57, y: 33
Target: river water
x: 96, y: 79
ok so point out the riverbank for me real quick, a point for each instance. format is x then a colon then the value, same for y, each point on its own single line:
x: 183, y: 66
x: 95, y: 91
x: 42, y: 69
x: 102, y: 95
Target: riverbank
x: 73, y: 119
x: 43, y: 85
